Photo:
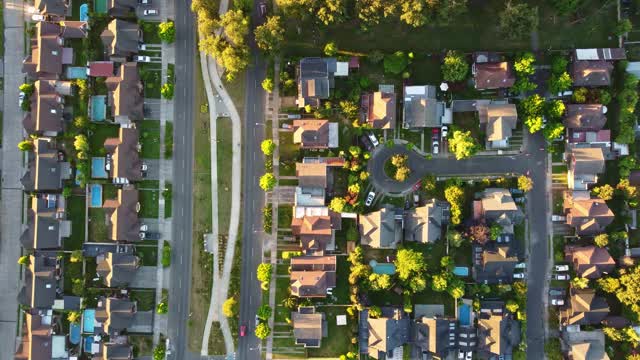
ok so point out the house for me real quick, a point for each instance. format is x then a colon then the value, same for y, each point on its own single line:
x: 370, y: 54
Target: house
x: 381, y: 229
x: 46, y: 59
x: 54, y: 8
x: 584, y: 308
x: 588, y: 216
x: 589, y: 262
x: 420, y: 107
x: 316, y: 233
x: 309, y: 326
x: 45, y: 168
x: 492, y: 75
x: 379, y: 109
x: 586, y: 345
x: 315, y: 134
x: 312, y: 174
x: 121, y: 8
x: 45, y: 117
x: 435, y: 335
x: 121, y: 39
x: 125, y: 94
x: 315, y: 79
x: 45, y: 223
x: 122, y: 214
x: 387, y: 334
x: 591, y: 73
x: 424, y: 224
x: 315, y: 178
x: 40, y: 281
x: 36, y: 338
x: 70, y: 29
x: 600, y: 138
x: 123, y: 159
x: 584, y: 166
x: 312, y: 276
x: 496, y: 205
x: 584, y: 117
x: 117, y: 269
x: 114, y: 315
x: 100, y: 68
x: 498, y: 331
x: 494, y: 263
x: 498, y: 122
x: 113, y: 350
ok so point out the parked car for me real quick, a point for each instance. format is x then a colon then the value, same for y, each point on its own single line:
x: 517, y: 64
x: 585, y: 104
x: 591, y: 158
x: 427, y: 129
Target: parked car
x: 435, y: 147
x: 167, y: 346
x: 444, y: 131
x: 38, y: 17
x: 561, y: 268
x: 521, y: 266
x: 243, y: 330
x: 556, y: 292
x: 144, y: 167
x: 293, y: 116
x: 416, y: 199
x: 417, y: 186
x: 143, y: 58
x: 558, y: 218
x: 147, y: 235
x: 520, y: 200
x: 257, y: 320
x: 565, y: 93
x: 557, y: 302
x: 21, y: 97
x: 518, y: 276
x: 366, y: 142
x: 468, y: 355
x: 142, y: 47
x: 144, y: 2
x: 560, y: 277
x: 263, y: 9
x: 144, y: 227
x: 373, y: 139
x: 370, y: 198
x: 150, y: 12
x: 515, y: 191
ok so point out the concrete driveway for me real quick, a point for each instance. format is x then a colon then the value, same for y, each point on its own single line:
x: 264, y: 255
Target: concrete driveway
x: 153, y: 169
x: 142, y: 322
x: 145, y: 278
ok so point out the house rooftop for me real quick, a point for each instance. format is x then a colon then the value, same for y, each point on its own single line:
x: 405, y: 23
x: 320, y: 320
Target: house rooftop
x: 125, y: 94
x: 308, y: 327
x: 380, y: 229
x: 311, y: 276
x: 125, y: 155
x: 584, y: 116
x: 493, y: 75
x: 117, y: 269
x: 591, y: 73
x: 123, y: 224
x: 421, y: 109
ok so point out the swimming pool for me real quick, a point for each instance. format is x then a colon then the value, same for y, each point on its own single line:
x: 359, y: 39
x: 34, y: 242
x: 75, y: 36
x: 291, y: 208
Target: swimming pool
x: 98, y: 108
x: 88, y: 321
x: 461, y: 271
x: 74, y: 334
x: 84, y: 12
x: 76, y: 72
x: 383, y: 268
x: 95, y: 195
x: 88, y: 343
x: 98, y: 170
x: 464, y: 315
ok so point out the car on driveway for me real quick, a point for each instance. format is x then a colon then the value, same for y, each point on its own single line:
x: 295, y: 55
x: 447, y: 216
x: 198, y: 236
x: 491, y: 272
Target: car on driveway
x: 374, y: 140
x: 257, y: 320
x: 370, y: 198
x: 366, y: 142
x: 148, y: 235
x: 560, y: 268
x: 263, y: 9
x: 150, y: 12
x: 142, y: 47
x: 444, y: 131
x: 557, y: 302
x: 557, y: 292
x: 143, y: 58
x: 435, y: 149
x: 558, y: 218
x: 518, y: 276
x: 144, y: 2
x: 38, y: 17
x: 21, y: 97
x: 560, y: 277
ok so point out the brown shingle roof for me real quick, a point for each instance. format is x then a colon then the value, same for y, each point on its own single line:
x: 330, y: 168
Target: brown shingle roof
x: 36, y: 341
x: 590, y: 262
x: 307, y: 327
x: 494, y: 75
x: 311, y: 133
x: 312, y: 174
x: 123, y: 215
x: 315, y: 232
x: 51, y: 7
x: 584, y: 308
x: 117, y: 269
x: 125, y: 93
x: 591, y: 73
x: 115, y: 314
x: 46, y: 109
x: 500, y: 120
x: 45, y: 61
x: 311, y: 276
x: 120, y: 39
x: 381, y: 112
x: 584, y: 117
x: 588, y: 216
x: 125, y: 158
x: 588, y: 161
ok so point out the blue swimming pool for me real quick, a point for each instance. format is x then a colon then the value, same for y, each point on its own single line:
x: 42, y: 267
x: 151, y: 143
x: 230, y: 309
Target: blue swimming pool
x: 464, y: 315
x: 76, y: 72
x: 383, y: 268
x: 74, y: 334
x: 98, y: 170
x: 461, y: 271
x: 88, y: 321
x: 88, y: 342
x: 84, y: 12
x: 95, y: 195
x: 98, y: 108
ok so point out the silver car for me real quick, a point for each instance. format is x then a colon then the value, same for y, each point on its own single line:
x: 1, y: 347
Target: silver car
x: 370, y: 197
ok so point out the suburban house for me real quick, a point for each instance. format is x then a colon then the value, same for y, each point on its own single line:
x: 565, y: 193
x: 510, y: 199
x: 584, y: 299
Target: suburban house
x: 425, y: 224
x: 123, y: 159
x: 498, y: 122
x: 121, y: 39
x: 100, y: 68
x: 315, y: 134
x: 45, y: 117
x: 315, y: 179
x: 41, y: 278
x: 381, y: 229
x: 589, y: 262
x: 315, y: 79
x: 45, y: 168
x: 584, y: 166
x: 316, y: 233
x: 496, y: 205
x: 54, y: 8
x: 125, y: 94
x: 71, y: 29
x: 114, y: 315
x: 586, y: 345
x: 312, y: 276
x: 435, y: 335
x: 122, y: 215
x: 379, y: 109
x: 121, y: 8
x: 46, y: 224
x: 114, y: 350
x: 421, y: 109
x: 588, y: 216
x: 584, y: 308
x: 309, y: 327
x: 498, y: 331
x: 493, y: 263
x: 117, y: 269
x: 490, y: 72
x: 387, y: 334
x: 600, y: 138
x: 593, y: 67
x: 37, y: 338
x: 47, y: 53
x: 584, y: 117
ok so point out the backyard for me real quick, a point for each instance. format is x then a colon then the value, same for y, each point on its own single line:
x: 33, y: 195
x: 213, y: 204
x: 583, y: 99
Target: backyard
x: 97, y: 225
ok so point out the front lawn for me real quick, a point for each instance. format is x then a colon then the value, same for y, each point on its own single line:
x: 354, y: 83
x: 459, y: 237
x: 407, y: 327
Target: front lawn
x: 150, y: 32
x: 469, y: 121
x: 148, y: 255
x: 142, y: 344
x: 148, y: 203
x: 151, y: 78
x: 150, y: 138
x: 288, y: 154
x: 339, y: 340
x: 146, y: 299
x: 285, y: 214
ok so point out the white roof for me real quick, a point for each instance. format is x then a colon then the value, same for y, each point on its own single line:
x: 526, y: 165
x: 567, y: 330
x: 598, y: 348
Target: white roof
x: 341, y: 320
x: 301, y: 211
x: 342, y: 69
x: 587, y: 54
x: 634, y: 68
x: 415, y: 90
x: 59, y: 343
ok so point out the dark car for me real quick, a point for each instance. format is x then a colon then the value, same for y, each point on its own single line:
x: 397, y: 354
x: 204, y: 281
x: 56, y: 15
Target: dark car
x: 364, y: 139
x: 148, y: 235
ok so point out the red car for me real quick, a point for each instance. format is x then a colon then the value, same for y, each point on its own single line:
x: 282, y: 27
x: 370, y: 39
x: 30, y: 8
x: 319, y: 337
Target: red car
x: 243, y: 330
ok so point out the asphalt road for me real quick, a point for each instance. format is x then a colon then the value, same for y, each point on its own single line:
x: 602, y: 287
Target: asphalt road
x: 253, y: 197
x: 184, y: 104
x: 532, y: 160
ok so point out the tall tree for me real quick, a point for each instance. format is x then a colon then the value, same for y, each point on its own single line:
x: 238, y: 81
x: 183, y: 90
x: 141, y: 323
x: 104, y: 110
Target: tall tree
x: 462, y: 144
x: 455, y: 67
x: 518, y: 20
x: 270, y: 35
x: 235, y: 25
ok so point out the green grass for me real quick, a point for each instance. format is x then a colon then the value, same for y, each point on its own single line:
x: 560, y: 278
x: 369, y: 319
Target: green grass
x: 224, y: 155
x: 289, y: 153
x: 146, y: 299
x: 148, y: 203
x: 149, y: 184
x: 76, y: 213
x: 98, y: 230
x: 151, y: 78
x: 150, y: 138
x: 339, y: 340
x: 558, y: 248
x: 142, y: 344
x: 282, y: 289
x: 469, y: 121
x: 168, y: 140
x: 288, y: 182
x: 150, y: 32
x: 341, y: 291
x: 167, y: 194
x: 109, y: 191
x: 148, y: 255
x: 285, y: 214
x: 559, y: 169
x: 98, y: 135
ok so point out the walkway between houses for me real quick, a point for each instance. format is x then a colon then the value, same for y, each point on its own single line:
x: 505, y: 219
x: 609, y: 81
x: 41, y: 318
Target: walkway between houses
x: 12, y: 170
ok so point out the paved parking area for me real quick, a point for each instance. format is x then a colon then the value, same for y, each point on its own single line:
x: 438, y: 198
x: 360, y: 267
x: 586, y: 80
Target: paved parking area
x: 142, y: 322
x: 153, y: 169
x: 145, y: 278
x: 152, y: 108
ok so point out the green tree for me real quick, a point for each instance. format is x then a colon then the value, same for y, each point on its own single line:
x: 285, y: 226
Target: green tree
x: 267, y: 85
x: 553, y: 130
x: 331, y: 11
x: 270, y: 35
x: 81, y: 144
x: 559, y: 64
x: 439, y: 282
x: 350, y: 109
x: 379, y: 282
x: 410, y: 267
x: 523, y: 85
x: 565, y: 7
x: 267, y: 182
x: 81, y: 122
x: 604, y: 96
x: 523, y: 64
x: 624, y: 26
x: 331, y: 49
x: 495, y: 231
x: 264, y: 312
x: 167, y: 90
x: 74, y: 317
x: 580, y: 283
x: 77, y: 287
x: 463, y: 145
x: 167, y: 31
x: 455, y: 196
x: 512, y: 306
x: 160, y: 351
x: 604, y: 192
x: 262, y: 331
x: 455, y: 67
x: 162, y: 308
x: 375, y: 312
x: 609, y: 284
x: 455, y: 238
x: 580, y: 95
x: 395, y: 63
x: 555, y: 109
x: 456, y: 288
x: 601, y: 240
x: 479, y: 233
x: 525, y: 183
x: 230, y: 307
x: 337, y: 204
x: 24, y: 260
x: 370, y: 12
x: 518, y: 20
x: 559, y: 82
x: 25, y: 145
x: 290, y: 302
x: 446, y: 262
x: 263, y: 273
x: 76, y: 256
x: 267, y: 146
x: 236, y: 26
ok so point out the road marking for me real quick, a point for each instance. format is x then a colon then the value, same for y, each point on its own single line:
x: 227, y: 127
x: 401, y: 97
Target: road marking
x: 180, y: 283
x: 181, y: 259
x: 250, y: 299
x: 182, y: 211
x: 182, y: 187
x: 252, y: 252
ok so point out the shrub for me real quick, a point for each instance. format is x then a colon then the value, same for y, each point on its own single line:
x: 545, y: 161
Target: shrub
x: 395, y: 63
x: 230, y: 307
x: 267, y: 218
x: 167, y: 91
x: 167, y: 31
x: 166, y: 254
x: 162, y: 308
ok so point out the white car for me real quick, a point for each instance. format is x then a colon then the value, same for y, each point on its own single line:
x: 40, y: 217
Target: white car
x: 518, y: 276
x: 38, y: 17
x: 142, y: 47
x: 143, y: 58
x: 558, y: 218
x: 370, y: 198
x: 560, y: 277
x: 444, y: 130
x: 436, y: 148
x: 21, y: 97
x: 521, y: 265
x: 149, y: 12
x: 373, y: 139
x: 469, y: 355
x: 561, y: 268
x: 144, y: 227
x: 144, y: 2
x: 144, y: 167
x: 557, y: 302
